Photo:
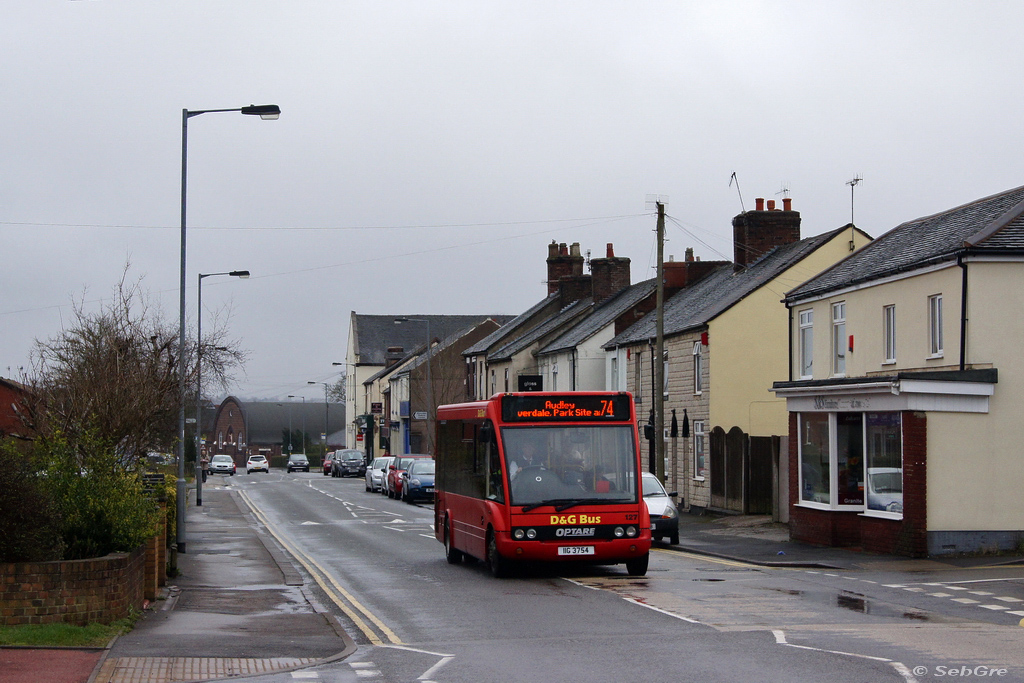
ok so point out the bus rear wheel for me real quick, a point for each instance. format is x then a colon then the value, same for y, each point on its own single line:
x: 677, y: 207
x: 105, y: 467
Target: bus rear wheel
x: 499, y: 566
x: 451, y: 554
x: 637, y: 566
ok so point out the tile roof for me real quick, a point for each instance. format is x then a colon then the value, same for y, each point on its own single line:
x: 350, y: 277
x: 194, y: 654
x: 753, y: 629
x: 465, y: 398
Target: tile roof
x: 512, y: 326
x: 601, y: 316
x: 551, y: 326
x: 985, y: 225
x: 701, y: 302
x: 373, y: 334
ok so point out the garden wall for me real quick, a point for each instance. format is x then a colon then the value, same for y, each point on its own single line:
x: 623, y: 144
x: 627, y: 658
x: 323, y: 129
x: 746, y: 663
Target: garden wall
x: 101, y: 590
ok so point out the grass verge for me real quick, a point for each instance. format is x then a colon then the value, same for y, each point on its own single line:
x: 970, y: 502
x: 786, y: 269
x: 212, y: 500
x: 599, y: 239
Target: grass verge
x: 64, y: 635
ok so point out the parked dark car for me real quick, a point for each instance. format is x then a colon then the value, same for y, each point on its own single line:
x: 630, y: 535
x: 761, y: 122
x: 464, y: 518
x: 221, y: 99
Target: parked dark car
x: 297, y: 461
x: 418, y: 481
x: 222, y: 464
x: 393, y: 483
x: 348, y: 463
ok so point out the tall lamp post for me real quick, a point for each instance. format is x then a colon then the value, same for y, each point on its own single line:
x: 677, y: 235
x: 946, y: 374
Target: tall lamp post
x: 199, y: 375
x: 266, y: 112
x: 430, y: 384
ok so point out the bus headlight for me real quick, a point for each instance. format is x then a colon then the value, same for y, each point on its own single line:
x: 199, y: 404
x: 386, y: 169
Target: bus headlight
x: 619, y: 532
x: 631, y: 531
x: 519, y: 534
x: 531, y: 534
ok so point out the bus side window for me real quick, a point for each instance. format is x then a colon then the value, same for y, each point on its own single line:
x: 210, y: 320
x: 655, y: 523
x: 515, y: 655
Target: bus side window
x: 489, y: 449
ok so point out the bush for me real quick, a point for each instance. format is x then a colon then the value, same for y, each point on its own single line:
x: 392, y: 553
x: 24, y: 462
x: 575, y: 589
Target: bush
x: 29, y: 527
x: 99, y: 503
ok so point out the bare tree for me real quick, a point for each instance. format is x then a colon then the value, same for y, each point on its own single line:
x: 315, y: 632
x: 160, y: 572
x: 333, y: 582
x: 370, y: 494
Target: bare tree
x: 113, y: 374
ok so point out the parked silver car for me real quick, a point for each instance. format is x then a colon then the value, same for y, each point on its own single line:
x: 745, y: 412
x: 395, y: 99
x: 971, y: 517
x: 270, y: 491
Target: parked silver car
x: 376, y: 472
x: 222, y: 464
x: 664, y: 517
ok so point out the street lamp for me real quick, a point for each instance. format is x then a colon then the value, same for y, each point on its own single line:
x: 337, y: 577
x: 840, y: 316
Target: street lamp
x: 266, y: 112
x: 199, y: 374
x: 430, y: 384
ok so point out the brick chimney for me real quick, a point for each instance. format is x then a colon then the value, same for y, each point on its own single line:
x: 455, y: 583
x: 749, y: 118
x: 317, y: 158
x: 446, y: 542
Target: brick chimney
x: 679, y: 274
x: 610, y: 275
x: 563, y: 262
x: 755, y: 233
x: 393, y: 355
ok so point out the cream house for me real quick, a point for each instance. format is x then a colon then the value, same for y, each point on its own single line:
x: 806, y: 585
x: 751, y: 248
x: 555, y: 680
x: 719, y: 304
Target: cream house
x: 726, y: 338
x: 905, y: 384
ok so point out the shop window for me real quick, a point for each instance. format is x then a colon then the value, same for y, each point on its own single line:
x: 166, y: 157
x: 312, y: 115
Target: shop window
x: 884, y: 442
x: 852, y: 461
x: 806, y: 344
x: 699, y: 457
x: 815, y: 477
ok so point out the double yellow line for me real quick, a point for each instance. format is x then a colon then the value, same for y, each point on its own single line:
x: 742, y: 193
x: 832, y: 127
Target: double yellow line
x: 338, y: 595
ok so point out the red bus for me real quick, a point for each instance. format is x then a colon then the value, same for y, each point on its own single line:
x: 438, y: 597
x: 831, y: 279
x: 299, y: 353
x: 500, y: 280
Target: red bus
x: 541, y: 477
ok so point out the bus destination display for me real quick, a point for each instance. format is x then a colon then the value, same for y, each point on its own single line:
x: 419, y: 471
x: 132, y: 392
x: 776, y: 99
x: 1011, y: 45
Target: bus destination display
x: 565, y: 408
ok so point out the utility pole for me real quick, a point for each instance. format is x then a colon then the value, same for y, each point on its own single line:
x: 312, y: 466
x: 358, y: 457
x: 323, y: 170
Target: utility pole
x: 659, y: 351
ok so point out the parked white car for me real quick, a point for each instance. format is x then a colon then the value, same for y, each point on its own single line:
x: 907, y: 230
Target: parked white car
x: 376, y: 472
x: 664, y: 517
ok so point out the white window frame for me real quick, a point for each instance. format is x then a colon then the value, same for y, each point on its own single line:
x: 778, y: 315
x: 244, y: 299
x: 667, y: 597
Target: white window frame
x: 614, y: 373
x: 889, y: 333
x: 806, y: 343
x: 935, y: 342
x: 698, y: 369
x: 839, y: 339
x: 699, y: 447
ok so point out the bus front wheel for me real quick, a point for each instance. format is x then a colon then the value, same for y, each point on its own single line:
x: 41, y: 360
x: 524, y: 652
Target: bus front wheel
x: 637, y: 566
x: 498, y: 565
x: 451, y: 554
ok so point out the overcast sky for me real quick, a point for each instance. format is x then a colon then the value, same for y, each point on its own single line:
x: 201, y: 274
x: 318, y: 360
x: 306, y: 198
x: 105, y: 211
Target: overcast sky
x: 428, y: 152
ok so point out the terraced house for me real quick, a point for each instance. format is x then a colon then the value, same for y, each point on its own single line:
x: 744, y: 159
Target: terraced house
x: 905, y: 386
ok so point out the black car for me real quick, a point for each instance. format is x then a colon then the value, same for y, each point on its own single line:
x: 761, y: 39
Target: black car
x: 348, y: 463
x: 298, y: 461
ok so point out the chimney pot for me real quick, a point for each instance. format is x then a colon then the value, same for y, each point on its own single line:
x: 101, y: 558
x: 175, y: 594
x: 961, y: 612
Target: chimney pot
x: 610, y: 252
x: 689, y: 254
x: 771, y: 204
x: 787, y: 203
x: 759, y: 204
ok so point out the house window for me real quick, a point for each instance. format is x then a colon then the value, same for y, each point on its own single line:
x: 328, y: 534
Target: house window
x: 889, y: 332
x: 614, y: 384
x: 494, y: 386
x: 935, y: 325
x: 698, y: 367
x: 839, y: 338
x: 699, y: 459
x: 506, y: 380
x: 638, y: 376
x: 554, y: 377
x: 806, y: 344
x: 850, y: 458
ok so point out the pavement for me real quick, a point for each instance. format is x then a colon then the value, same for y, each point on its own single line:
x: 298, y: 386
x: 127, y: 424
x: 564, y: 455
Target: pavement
x: 239, y: 607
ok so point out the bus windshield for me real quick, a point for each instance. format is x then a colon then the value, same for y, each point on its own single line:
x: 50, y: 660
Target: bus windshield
x: 564, y: 465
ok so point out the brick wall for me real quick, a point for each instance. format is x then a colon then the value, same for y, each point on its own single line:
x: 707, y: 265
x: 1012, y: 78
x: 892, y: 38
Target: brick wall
x: 100, y: 590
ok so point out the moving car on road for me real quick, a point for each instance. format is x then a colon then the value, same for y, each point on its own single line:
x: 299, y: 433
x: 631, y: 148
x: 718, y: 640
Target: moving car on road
x: 418, y: 481
x: 257, y: 463
x: 348, y: 462
x: 297, y: 461
x: 222, y: 464
x: 664, y: 516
